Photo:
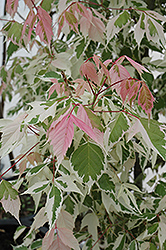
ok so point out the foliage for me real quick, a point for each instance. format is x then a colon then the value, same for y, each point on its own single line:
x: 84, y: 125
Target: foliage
x: 85, y: 115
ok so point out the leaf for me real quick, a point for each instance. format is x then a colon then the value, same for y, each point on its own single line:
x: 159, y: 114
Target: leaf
x: 11, y: 7
x: 152, y: 134
x: 13, y: 31
x: 11, y: 49
x: 140, y: 68
x: 105, y: 183
x: 59, y: 245
x: 48, y: 239
x: 162, y: 230
x: 44, y: 26
x: 10, y: 199
x: 30, y: 22
x: 71, y: 20
x: 145, y: 99
x: 68, y: 238
x: 161, y: 205
x: 133, y: 245
x: 91, y: 220
x: 82, y: 85
x: 12, y: 135
x: 53, y: 205
x: 96, y: 30
x: 118, y: 127
x: 80, y: 48
x: 46, y: 5
x: 139, y: 29
x: 92, y: 164
x: 61, y: 136
x: 65, y: 220
x: 94, y: 119
x: 88, y: 70
x: 39, y: 220
x: 156, y: 135
x: 129, y: 90
x: 152, y: 229
x: 122, y: 20
x: 119, y: 242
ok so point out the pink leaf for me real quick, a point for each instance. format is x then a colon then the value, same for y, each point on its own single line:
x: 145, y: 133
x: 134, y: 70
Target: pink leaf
x: 48, y: 239
x: 84, y: 25
x: 65, y: 220
x: 83, y: 126
x: 136, y: 65
x: 68, y: 238
x: 59, y: 87
x: 96, y: 29
x: 44, y: 26
x: 118, y: 73
x: 145, y: 99
x: 71, y: 20
x: 58, y: 245
x: 82, y: 85
x: 88, y: 69
x: 30, y: 22
x: 29, y: 3
x: 61, y: 136
x: 61, y: 21
x: 83, y: 11
x: 129, y: 90
x: 82, y: 115
x: 12, y: 206
x: 11, y: 7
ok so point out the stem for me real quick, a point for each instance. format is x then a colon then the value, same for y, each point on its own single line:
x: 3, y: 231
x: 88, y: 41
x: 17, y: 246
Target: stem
x: 53, y: 169
x: 100, y: 237
x: 90, y: 85
x: 30, y: 127
x: 19, y: 160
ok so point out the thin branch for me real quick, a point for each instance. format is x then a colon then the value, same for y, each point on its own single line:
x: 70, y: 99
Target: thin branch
x: 19, y: 160
x: 90, y: 85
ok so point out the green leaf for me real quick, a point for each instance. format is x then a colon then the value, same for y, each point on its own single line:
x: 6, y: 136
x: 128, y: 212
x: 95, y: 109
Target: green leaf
x: 156, y: 136
x: 69, y: 205
x: 118, y: 127
x: 152, y: 28
x: 52, y: 74
x: 122, y: 19
x: 119, y: 242
x: 95, y: 120
x: 3, y: 74
x: 46, y: 5
x: 105, y: 183
x: 152, y: 229
x: 11, y: 49
x: 80, y: 48
x: 13, y: 30
x: 36, y: 169
x: 6, y: 189
x: 36, y: 244
x: 133, y: 245
x: 88, y: 160
x: 160, y: 190
x: 53, y: 204
x: 152, y: 246
x: 38, y: 190
x: 142, y: 24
